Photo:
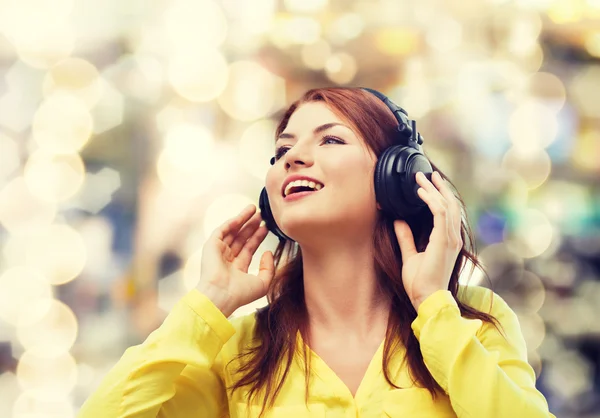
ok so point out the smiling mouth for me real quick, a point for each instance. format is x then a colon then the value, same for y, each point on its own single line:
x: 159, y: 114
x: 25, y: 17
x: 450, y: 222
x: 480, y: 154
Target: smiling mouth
x: 300, y: 186
x: 299, y: 195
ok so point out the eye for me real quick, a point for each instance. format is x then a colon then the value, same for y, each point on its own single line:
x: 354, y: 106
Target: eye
x: 280, y: 152
x: 333, y: 138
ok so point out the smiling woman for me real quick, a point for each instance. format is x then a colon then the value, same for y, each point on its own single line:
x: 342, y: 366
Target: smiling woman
x: 365, y: 316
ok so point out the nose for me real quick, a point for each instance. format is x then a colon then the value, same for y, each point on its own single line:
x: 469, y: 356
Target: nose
x: 298, y: 155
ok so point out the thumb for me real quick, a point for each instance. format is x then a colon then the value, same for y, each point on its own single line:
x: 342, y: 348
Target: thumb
x: 266, y: 268
x: 405, y: 238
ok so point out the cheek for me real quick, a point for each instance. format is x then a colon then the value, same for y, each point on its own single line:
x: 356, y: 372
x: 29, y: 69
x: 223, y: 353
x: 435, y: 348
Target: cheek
x: 272, y: 184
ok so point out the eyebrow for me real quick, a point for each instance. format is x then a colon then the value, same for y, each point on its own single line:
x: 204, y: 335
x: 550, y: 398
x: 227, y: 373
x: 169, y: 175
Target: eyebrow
x: 317, y: 130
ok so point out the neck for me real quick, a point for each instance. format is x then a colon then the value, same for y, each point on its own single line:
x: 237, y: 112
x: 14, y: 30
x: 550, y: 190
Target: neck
x: 342, y: 293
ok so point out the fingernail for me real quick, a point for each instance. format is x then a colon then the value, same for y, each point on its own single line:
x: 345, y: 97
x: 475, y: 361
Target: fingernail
x: 262, y: 223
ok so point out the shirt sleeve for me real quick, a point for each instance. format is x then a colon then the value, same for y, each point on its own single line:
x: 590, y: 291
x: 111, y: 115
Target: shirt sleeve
x: 483, y: 373
x: 174, y: 372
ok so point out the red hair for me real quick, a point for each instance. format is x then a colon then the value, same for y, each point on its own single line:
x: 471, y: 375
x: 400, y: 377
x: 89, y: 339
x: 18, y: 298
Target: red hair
x: 278, y: 323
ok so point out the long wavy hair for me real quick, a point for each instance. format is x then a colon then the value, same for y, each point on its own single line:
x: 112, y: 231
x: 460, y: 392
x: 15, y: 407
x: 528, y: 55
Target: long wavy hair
x: 278, y: 323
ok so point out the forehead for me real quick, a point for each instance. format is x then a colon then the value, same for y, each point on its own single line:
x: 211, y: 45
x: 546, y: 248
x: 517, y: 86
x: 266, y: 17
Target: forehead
x: 310, y: 115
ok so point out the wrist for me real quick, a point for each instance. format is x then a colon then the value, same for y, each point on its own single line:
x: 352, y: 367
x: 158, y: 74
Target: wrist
x: 218, y: 298
x: 417, y: 301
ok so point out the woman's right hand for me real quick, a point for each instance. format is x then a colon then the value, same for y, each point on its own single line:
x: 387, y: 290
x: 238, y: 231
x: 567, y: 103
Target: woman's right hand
x: 226, y: 256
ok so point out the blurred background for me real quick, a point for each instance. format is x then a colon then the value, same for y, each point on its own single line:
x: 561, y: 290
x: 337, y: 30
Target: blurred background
x: 130, y: 130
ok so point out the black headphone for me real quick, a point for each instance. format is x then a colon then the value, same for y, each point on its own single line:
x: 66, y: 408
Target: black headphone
x: 395, y: 183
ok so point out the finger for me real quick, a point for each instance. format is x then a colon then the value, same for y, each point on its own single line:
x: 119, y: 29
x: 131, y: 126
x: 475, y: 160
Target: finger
x: 244, y: 258
x: 266, y: 268
x: 454, y: 208
x: 246, y: 232
x: 406, y: 239
x: 440, y: 222
x: 424, y: 182
x: 227, y: 231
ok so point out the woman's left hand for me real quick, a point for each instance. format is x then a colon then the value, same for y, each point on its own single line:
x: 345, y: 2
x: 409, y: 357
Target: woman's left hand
x: 424, y: 273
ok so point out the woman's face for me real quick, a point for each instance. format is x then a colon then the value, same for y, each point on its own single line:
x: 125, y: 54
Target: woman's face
x: 318, y: 144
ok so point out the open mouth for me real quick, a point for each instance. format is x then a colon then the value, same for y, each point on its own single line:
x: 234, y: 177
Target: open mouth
x: 301, y: 186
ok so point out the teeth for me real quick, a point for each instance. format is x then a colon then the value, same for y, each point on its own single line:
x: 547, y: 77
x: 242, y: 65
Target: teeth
x: 303, y: 183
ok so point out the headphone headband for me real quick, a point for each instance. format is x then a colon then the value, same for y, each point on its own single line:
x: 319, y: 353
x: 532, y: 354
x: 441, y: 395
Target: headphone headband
x: 407, y: 128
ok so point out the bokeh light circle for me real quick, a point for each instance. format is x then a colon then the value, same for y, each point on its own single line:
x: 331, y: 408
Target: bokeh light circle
x: 58, y: 251
x: 54, y: 177
x: 21, y: 288
x: 21, y: 212
x: 62, y: 124
x: 47, y: 379
x: 251, y: 92
x: 257, y: 146
x: 52, y: 333
x: 199, y: 75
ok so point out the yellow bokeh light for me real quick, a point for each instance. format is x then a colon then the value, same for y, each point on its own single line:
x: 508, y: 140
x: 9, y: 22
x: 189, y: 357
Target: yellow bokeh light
x: 566, y: 11
x: 586, y: 151
x: 27, y: 406
x: 44, y: 46
x: 252, y: 91
x: 315, y: 55
x: 532, y: 62
x: 52, y: 333
x: 397, y: 41
x: 532, y: 126
x: 47, y: 379
x: 58, y: 251
x: 76, y: 77
x: 257, y: 146
x: 21, y: 288
x: 533, y: 167
x: 223, y: 208
x: 39, y: 30
x: 305, y: 6
x: 531, y: 234
x: 290, y: 30
x: 54, y: 177
x: 22, y: 212
x: 525, y: 29
x: 185, y: 166
x: 198, y: 75
x: 185, y: 144
x: 252, y: 18
x: 346, y: 27
x: 194, y: 24
x: 592, y: 44
x: 62, y: 124
x: 341, y: 68
x: 444, y: 35
x: 25, y: 15
x: 584, y: 91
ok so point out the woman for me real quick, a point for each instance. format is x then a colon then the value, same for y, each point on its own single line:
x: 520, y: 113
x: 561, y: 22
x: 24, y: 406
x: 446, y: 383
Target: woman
x: 365, y: 315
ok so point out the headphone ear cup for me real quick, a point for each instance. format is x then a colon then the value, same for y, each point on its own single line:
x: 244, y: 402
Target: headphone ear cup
x: 395, y: 183
x: 267, y: 215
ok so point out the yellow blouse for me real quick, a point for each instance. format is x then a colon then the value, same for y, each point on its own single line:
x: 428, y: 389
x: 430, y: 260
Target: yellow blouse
x: 178, y: 372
